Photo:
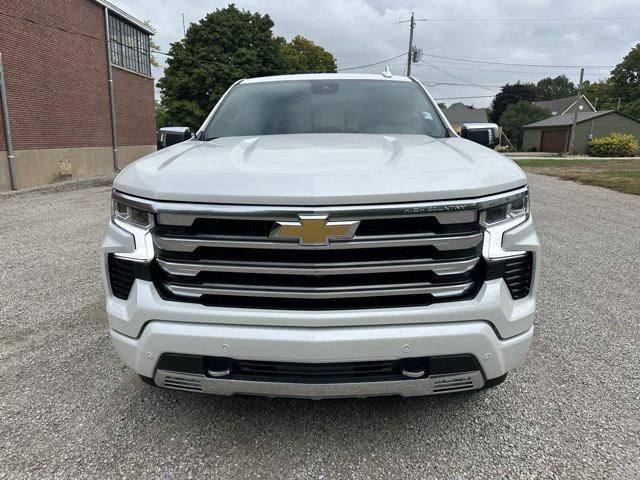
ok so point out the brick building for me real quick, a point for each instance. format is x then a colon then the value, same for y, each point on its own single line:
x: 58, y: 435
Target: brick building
x: 57, y: 64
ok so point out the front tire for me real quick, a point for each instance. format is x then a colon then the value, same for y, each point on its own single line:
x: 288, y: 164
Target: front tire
x: 148, y: 380
x: 494, y: 382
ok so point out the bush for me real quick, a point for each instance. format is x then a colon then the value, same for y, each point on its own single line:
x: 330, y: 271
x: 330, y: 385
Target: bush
x: 614, y: 145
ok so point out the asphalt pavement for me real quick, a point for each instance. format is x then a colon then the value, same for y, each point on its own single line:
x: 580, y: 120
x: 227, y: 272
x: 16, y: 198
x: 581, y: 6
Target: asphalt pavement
x: 69, y: 409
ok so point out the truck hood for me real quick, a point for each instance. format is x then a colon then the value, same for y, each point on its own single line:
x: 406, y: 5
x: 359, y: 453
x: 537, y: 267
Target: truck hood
x: 320, y: 169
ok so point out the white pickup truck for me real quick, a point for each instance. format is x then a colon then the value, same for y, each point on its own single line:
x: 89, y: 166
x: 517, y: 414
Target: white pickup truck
x: 320, y: 236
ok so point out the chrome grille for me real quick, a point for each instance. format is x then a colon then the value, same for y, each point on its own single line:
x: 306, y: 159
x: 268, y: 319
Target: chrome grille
x: 223, y: 256
x: 182, y: 382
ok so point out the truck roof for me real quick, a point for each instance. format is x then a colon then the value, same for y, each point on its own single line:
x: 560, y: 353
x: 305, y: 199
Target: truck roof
x: 328, y: 76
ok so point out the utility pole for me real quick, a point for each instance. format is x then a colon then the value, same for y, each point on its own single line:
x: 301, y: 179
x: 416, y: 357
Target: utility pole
x: 572, y: 139
x: 184, y: 29
x: 595, y: 107
x: 412, y: 25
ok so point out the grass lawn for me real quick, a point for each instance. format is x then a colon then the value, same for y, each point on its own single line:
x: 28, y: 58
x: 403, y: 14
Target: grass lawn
x: 620, y: 175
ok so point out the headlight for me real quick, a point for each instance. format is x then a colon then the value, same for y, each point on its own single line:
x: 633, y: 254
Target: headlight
x: 516, y: 209
x: 497, y: 219
x: 138, y: 223
x: 128, y: 214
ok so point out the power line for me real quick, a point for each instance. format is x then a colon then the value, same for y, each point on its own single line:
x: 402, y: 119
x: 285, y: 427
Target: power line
x: 340, y: 69
x: 487, y: 62
x: 435, y: 84
x: 567, y: 71
x: 412, y: 19
x: 512, y: 95
x: 604, y: 100
x: 455, y: 76
x: 343, y: 27
x: 537, y: 72
x: 538, y: 19
x: 370, y: 60
x: 161, y: 53
x: 188, y: 57
x: 461, y: 98
x: 372, y: 64
x: 472, y: 20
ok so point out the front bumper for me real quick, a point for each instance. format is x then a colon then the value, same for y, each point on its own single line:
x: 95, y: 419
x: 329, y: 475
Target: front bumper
x: 493, y: 327
x: 403, y: 388
x: 318, y: 345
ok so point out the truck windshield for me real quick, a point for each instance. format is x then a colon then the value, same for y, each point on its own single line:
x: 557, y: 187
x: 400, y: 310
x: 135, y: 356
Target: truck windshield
x: 325, y: 106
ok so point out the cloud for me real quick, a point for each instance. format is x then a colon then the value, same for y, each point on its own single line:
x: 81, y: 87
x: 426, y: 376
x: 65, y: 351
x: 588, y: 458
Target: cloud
x: 364, y: 31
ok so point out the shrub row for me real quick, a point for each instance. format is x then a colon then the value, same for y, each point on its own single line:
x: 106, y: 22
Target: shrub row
x: 614, y: 145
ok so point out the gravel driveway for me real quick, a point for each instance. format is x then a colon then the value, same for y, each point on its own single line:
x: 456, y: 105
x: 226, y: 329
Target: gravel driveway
x: 69, y: 409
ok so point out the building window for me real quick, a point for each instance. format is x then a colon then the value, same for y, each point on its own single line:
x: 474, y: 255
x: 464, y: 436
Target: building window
x: 129, y: 46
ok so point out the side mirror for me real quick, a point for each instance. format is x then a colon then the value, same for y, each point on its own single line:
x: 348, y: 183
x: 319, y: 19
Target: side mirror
x: 168, y: 136
x: 486, y: 134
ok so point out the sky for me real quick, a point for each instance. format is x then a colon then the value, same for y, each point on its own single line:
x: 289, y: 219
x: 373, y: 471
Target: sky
x: 560, y: 35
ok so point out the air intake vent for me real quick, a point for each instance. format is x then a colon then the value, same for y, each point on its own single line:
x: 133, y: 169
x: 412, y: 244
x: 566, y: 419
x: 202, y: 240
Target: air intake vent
x: 182, y: 383
x: 515, y: 271
x: 517, y: 275
x: 317, y: 373
x: 452, y: 383
x: 121, y: 276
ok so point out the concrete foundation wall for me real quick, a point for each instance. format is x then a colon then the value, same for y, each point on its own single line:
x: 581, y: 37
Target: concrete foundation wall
x: 5, y: 182
x: 129, y: 153
x: 44, y: 166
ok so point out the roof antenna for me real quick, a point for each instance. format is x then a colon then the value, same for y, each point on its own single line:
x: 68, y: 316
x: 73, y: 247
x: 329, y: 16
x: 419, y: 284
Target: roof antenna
x: 386, y: 73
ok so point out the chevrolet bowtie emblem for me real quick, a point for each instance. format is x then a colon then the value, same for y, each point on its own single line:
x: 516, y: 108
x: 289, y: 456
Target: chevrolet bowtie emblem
x: 314, y: 230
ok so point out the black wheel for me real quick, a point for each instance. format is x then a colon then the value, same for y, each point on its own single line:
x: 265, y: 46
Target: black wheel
x: 148, y: 380
x: 494, y: 382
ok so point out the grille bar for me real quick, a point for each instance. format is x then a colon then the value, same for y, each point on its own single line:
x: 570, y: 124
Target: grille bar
x: 401, y: 255
x: 189, y: 244
x: 384, y: 227
x: 320, y: 292
x: 185, y: 215
x: 345, y: 268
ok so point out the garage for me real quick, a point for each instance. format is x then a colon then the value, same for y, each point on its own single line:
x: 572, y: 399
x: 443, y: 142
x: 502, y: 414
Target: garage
x: 554, y: 140
x: 552, y: 134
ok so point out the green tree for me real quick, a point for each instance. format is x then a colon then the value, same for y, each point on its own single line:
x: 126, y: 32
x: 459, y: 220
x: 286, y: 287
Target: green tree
x: 625, y: 77
x: 511, y: 94
x: 161, y: 116
x: 631, y: 108
x: 301, y: 55
x: 223, y: 47
x: 602, y: 92
x: 558, y: 87
x: 516, y: 116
